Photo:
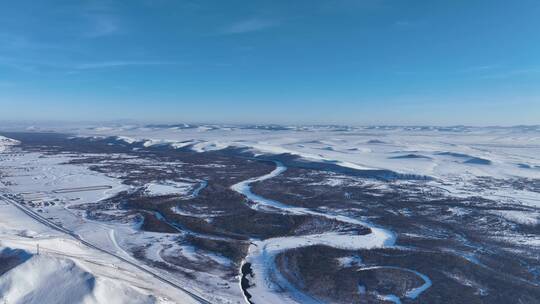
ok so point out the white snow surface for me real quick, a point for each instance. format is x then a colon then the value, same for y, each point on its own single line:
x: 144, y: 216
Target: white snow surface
x: 38, y: 178
x: 46, y: 279
x: 168, y: 188
x: 453, y: 156
x: 67, y: 271
x: 5, y: 143
x: 511, y: 151
x: 261, y: 253
x: 520, y: 217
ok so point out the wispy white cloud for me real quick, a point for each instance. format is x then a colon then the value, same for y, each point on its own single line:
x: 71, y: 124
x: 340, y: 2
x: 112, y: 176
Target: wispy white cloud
x: 513, y: 73
x: 496, y: 71
x: 113, y: 64
x: 18, y: 42
x: 15, y: 64
x: 352, y: 5
x: 73, y: 68
x: 402, y: 23
x: 480, y: 68
x: 103, y: 25
x: 103, y: 17
x: 250, y: 25
x: 7, y: 84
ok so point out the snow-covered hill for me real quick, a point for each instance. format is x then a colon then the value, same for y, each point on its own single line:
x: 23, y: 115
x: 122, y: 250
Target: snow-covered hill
x: 67, y: 271
x: 47, y: 279
x: 435, y: 151
x: 6, y: 142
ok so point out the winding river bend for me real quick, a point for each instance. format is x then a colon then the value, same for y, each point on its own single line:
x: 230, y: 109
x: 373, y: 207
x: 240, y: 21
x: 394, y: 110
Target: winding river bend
x: 263, y: 279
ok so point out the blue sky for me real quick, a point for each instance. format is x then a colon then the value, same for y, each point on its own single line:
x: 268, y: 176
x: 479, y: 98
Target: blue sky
x: 340, y: 61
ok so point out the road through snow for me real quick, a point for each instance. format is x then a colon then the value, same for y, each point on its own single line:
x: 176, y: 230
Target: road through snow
x: 54, y: 226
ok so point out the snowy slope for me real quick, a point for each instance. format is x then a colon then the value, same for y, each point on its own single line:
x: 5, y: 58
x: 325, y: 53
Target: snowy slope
x: 67, y: 271
x: 6, y: 143
x: 45, y: 279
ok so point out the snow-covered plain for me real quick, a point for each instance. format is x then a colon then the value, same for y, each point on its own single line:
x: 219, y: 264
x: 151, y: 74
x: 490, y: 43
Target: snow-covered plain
x: 67, y: 271
x: 168, y: 188
x: 438, y: 152
x: 453, y: 157
x: 435, y: 151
